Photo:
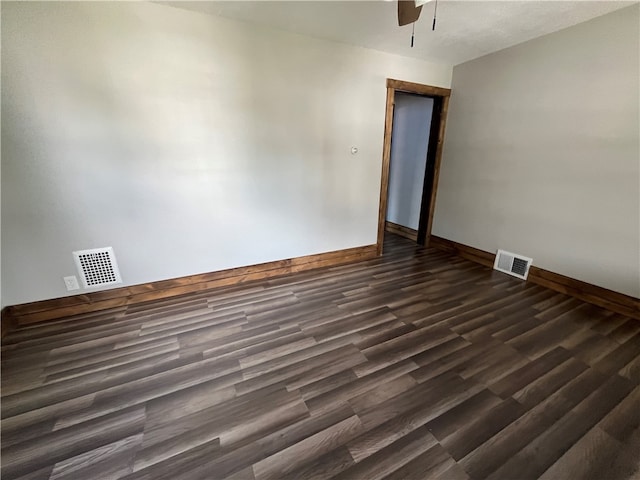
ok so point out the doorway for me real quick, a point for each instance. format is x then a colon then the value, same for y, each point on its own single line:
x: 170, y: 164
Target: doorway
x: 408, y: 187
x: 412, y: 115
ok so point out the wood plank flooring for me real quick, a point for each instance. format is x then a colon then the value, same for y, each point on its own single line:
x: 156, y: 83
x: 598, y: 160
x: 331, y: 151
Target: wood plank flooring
x: 416, y: 365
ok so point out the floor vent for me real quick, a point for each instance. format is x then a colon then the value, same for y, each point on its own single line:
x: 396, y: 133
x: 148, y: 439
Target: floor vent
x: 513, y: 264
x: 97, y: 267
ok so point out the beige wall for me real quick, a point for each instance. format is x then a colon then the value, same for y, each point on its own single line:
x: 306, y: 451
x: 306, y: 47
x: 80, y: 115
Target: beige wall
x: 542, y: 153
x: 188, y: 143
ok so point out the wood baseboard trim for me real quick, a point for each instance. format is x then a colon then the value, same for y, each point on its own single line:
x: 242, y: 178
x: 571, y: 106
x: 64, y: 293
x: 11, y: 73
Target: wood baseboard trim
x: 470, y: 253
x: 602, y: 297
x: 28, y: 313
x: 405, y: 232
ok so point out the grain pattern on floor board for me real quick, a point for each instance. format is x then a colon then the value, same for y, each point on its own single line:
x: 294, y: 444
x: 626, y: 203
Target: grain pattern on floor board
x: 418, y: 364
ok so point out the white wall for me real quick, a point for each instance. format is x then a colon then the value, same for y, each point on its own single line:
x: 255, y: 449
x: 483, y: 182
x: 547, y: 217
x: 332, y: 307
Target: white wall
x: 187, y: 142
x: 542, y: 156
x: 410, y: 141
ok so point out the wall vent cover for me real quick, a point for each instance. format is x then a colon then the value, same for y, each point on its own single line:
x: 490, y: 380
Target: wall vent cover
x: 513, y: 264
x: 97, y: 267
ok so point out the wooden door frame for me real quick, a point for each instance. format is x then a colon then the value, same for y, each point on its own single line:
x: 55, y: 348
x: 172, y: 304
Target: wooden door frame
x: 441, y: 95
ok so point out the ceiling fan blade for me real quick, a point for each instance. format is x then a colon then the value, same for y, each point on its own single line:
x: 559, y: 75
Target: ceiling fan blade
x: 408, y: 12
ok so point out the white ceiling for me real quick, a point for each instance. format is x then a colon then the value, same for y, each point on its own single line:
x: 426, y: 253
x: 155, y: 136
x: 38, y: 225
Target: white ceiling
x: 465, y: 29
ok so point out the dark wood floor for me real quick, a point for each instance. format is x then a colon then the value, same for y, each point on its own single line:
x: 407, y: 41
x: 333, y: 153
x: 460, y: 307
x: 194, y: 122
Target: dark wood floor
x: 416, y: 365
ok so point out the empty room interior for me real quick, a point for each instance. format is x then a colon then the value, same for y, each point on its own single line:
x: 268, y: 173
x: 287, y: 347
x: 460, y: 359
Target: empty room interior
x: 361, y: 240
